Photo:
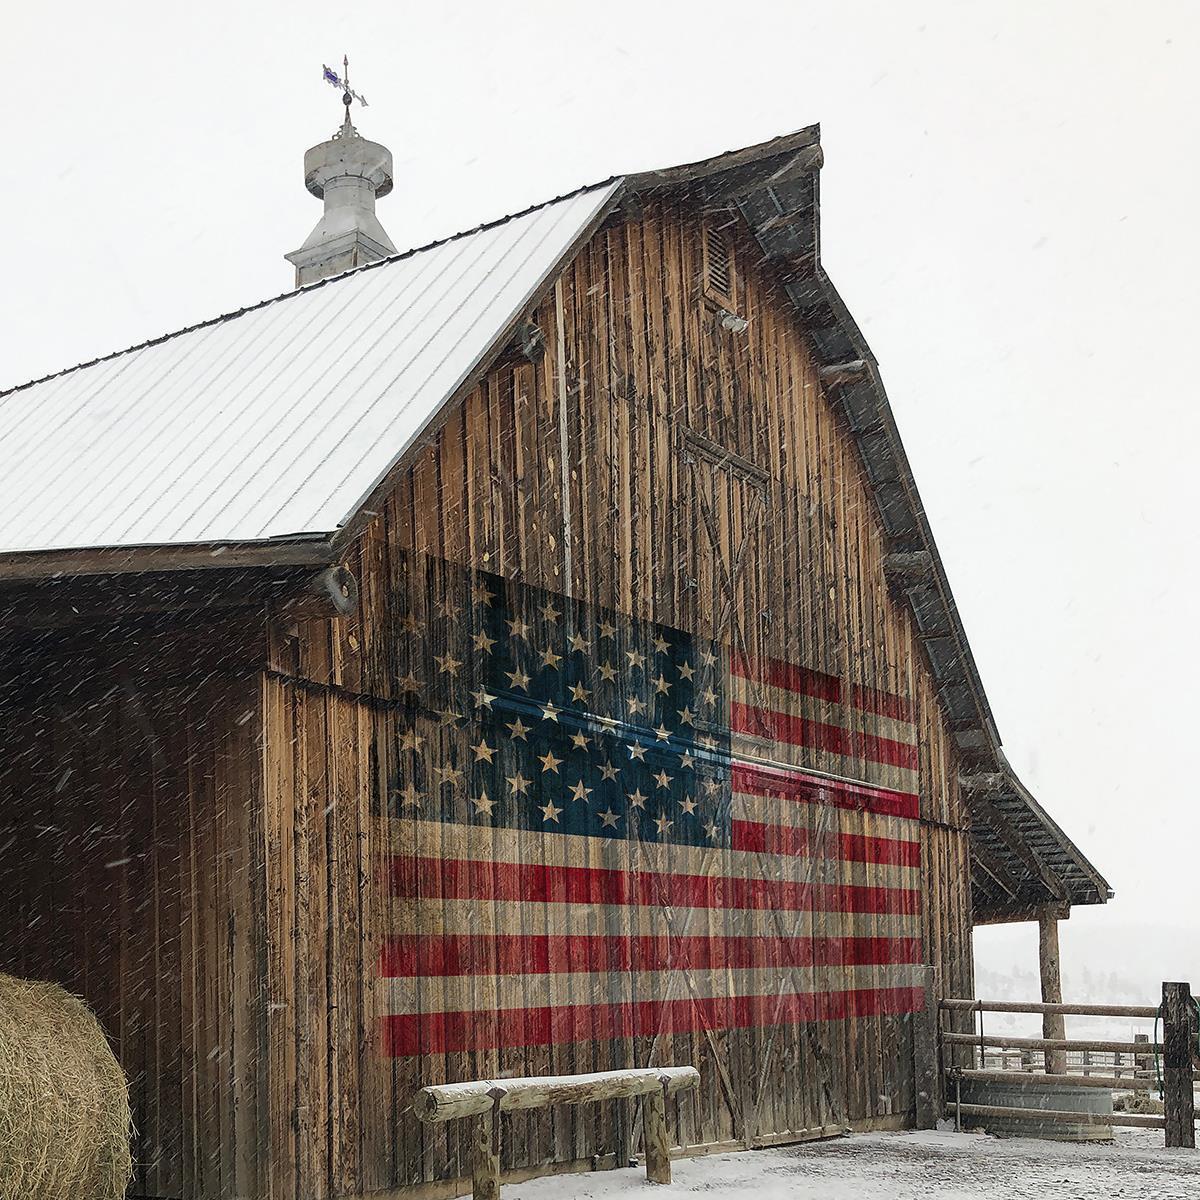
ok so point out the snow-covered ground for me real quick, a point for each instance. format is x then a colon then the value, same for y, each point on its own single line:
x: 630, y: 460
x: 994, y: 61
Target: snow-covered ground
x: 908, y: 1166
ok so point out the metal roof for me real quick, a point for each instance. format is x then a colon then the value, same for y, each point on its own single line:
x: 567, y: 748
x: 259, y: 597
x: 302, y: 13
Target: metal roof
x: 279, y: 420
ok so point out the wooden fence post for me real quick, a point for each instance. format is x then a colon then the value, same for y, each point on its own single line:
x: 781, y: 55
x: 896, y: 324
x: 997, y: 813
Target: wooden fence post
x: 654, y: 1134
x: 925, y: 1055
x: 1142, y: 1062
x: 1178, y: 1098
x: 485, y: 1155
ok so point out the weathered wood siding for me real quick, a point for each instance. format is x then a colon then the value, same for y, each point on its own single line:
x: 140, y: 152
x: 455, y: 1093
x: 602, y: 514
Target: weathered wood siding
x: 131, y: 872
x: 647, y: 453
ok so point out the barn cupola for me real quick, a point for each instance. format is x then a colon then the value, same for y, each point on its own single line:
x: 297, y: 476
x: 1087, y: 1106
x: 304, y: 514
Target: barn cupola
x: 349, y: 173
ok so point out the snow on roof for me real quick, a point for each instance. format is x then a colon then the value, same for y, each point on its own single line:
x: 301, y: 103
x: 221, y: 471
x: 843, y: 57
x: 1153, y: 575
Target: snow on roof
x: 278, y: 420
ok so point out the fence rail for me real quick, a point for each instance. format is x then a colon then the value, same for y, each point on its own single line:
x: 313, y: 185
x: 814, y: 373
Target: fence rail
x: 1062, y: 1117
x: 1028, y: 1043
x: 1065, y: 1010
x: 1131, y: 1071
x: 1111, y: 1082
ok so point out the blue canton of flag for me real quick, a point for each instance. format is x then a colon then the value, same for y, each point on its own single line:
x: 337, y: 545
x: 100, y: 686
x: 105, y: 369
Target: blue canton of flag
x: 557, y: 717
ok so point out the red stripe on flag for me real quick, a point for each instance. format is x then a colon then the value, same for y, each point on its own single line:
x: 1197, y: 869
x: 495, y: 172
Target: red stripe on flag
x: 411, y: 956
x: 455, y: 1032
x: 778, y: 839
x: 538, y: 883
x: 780, y: 674
x: 776, y: 673
x: 816, y: 735
x: 812, y: 789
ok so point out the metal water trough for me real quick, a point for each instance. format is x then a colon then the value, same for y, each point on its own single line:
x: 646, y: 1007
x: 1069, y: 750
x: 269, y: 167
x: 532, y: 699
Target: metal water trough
x: 1091, y: 1103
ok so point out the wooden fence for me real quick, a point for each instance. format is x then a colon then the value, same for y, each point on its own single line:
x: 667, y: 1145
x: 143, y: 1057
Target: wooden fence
x: 1134, y: 1065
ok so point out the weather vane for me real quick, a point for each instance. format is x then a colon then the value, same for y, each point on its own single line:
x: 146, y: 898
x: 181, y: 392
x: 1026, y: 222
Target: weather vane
x: 342, y: 83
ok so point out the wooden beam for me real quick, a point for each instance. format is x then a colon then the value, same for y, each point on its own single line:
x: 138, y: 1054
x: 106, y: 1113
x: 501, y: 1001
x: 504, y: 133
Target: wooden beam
x: 50, y: 564
x: 1003, y: 877
x: 1054, y: 1025
x: 1179, y: 1037
x: 654, y: 1136
x: 983, y: 781
x: 1009, y: 916
x: 448, y: 1101
x: 1003, y: 1042
x: 1012, y: 838
x: 485, y: 1157
x: 1057, y: 1116
x: 1131, y: 1011
x: 971, y: 741
x: 1035, y: 1081
x: 926, y: 1072
x: 805, y: 162
x: 784, y: 220
x: 835, y: 374
x: 332, y: 592
x: 909, y: 567
x: 77, y: 603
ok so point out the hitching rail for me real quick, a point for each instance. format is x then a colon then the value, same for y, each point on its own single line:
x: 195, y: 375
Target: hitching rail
x: 486, y: 1099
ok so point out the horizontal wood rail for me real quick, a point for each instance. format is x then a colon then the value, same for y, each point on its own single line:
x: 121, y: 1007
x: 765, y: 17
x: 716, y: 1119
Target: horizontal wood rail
x: 488, y: 1098
x: 1066, y: 1010
x: 1036, y: 1079
x: 1058, y: 1116
x: 1003, y: 1041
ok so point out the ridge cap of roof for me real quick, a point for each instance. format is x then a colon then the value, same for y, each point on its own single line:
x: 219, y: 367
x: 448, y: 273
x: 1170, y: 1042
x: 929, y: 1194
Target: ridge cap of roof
x: 727, y: 160
x: 233, y: 314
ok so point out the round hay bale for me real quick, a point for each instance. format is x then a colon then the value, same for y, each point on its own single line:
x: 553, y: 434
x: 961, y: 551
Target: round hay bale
x: 64, y: 1102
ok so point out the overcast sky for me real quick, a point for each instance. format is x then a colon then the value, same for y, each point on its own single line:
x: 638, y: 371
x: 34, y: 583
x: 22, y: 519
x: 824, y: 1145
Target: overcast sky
x: 1009, y: 207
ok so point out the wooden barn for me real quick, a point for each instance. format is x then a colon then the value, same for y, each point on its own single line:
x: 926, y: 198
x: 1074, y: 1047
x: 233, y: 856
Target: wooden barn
x: 526, y: 654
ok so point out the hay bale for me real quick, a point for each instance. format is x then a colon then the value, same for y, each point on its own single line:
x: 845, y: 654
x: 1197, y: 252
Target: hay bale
x: 64, y: 1102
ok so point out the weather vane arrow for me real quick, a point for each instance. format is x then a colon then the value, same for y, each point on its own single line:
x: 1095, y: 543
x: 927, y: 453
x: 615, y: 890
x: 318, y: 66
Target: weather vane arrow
x: 342, y: 83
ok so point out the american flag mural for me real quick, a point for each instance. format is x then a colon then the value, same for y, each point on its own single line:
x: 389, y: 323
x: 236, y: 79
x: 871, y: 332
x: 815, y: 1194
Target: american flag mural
x: 604, y: 828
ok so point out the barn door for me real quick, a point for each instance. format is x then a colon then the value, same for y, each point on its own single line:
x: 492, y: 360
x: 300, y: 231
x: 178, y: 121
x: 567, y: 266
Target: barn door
x: 774, y: 1069
x: 724, y: 504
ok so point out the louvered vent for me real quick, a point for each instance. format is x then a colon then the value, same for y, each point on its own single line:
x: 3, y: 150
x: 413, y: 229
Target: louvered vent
x: 718, y: 263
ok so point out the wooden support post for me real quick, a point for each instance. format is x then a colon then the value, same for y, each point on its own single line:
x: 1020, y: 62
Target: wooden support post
x: 1054, y: 1025
x: 485, y: 1156
x: 925, y: 1055
x: 654, y: 1136
x: 1142, y: 1062
x: 1178, y: 1098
